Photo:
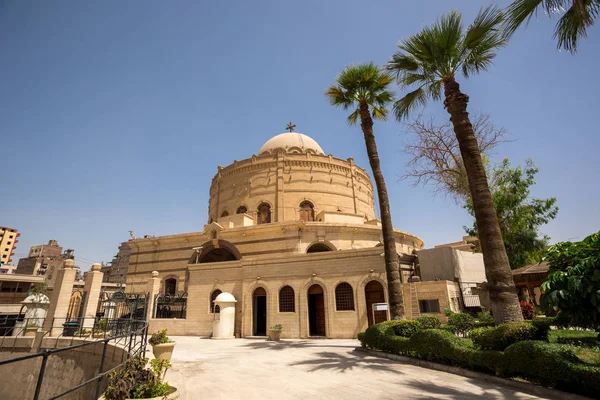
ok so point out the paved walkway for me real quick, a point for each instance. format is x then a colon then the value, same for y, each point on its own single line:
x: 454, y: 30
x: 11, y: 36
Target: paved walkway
x: 310, y: 369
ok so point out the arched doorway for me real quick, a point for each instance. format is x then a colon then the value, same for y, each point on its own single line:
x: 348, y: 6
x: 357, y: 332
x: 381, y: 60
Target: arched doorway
x: 259, y: 312
x: 374, y: 294
x: 316, y: 311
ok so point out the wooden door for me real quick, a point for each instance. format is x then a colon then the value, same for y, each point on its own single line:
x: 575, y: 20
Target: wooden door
x: 316, y: 311
x: 374, y: 294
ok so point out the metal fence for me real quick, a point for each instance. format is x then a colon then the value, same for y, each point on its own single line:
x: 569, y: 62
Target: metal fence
x: 131, y: 335
x: 168, y: 305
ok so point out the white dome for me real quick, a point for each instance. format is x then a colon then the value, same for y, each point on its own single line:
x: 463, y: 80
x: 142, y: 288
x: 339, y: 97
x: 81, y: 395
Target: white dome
x: 225, y: 298
x: 291, y: 142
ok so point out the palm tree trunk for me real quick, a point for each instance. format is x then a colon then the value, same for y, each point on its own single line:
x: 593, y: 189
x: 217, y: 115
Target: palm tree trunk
x: 500, y: 283
x: 392, y: 266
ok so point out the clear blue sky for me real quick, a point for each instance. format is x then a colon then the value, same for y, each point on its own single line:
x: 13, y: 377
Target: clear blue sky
x: 115, y: 115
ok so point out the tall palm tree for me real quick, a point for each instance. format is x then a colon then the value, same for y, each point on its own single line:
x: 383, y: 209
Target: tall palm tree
x: 570, y: 27
x: 430, y: 61
x: 364, y: 89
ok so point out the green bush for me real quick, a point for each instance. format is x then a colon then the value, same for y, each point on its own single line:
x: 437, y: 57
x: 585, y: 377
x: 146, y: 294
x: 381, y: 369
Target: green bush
x: 429, y: 322
x: 553, y: 365
x: 448, y: 328
x: 361, y: 338
x: 435, y: 345
x: 406, y: 327
x: 576, y: 338
x: 543, y: 327
x: 485, y: 318
x: 461, y: 323
x: 503, y: 335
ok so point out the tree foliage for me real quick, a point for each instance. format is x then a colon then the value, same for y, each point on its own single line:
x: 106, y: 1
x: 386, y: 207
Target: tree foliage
x: 577, y: 16
x: 573, y: 284
x: 435, y: 154
x: 519, y: 215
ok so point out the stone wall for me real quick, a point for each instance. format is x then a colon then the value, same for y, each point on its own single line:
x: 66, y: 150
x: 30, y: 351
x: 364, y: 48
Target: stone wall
x: 64, y: 370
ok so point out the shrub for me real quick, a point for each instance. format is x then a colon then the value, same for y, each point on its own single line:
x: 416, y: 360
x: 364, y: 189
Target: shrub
x: 461, y: 323
x: 134, y: 381
x: 429, y: 322
x: 542, y: 326
x: 159, y: 338
x: 553, y: 365
x: 485, y: 318
x: 527, y: 310
x: 448, y: 328
x: 503, y: 335
x: 361, y: 338
x: 435, y: 345
x: 448, y: 312
x: 406, y: 327
x: 382, y: 337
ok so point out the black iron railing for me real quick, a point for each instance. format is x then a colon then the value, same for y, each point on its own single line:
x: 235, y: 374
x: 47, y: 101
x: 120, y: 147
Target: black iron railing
x: 168, y: 305
x: 130, y: 335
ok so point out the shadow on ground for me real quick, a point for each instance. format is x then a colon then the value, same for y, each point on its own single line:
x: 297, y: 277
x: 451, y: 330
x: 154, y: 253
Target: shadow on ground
x: 295, y: 344
x: 446, y: 392
x: 342, y: 363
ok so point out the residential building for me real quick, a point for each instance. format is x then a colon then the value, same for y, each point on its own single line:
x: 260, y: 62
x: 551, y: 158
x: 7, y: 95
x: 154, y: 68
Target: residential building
x: 8, y: 239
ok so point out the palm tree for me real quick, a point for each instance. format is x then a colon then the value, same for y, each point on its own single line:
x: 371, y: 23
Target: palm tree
x: 570, y: 27
x: 364, y: 89
x: 430, y: 61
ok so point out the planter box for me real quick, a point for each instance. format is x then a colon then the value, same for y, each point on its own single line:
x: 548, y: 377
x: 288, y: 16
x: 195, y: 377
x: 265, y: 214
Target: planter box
x: 275, y: 335
x: 163, y: 351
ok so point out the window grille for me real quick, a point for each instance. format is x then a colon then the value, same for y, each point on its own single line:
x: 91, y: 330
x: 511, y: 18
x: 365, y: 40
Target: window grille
x: 287, y: 302
x: 344, y: 297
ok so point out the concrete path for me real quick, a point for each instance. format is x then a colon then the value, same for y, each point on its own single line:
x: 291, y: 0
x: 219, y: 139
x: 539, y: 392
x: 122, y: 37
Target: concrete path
x: 310, y: 369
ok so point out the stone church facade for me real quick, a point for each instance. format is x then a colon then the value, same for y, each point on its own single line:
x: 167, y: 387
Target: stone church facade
x: 292, y: 235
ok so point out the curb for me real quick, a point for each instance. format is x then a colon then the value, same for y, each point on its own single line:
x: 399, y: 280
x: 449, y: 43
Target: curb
x: 529, y: 388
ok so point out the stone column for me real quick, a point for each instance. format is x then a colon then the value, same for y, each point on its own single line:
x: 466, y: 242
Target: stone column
x: 152, y: 288
x: 60, y: 299
x: 92, y: 287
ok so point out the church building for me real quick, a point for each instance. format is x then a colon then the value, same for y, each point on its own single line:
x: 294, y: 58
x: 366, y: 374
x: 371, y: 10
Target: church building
x: 292, y: 235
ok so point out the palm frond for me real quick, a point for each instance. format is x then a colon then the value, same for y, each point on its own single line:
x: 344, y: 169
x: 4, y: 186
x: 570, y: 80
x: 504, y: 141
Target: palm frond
x: 380, y: 113
x: 352, y: 118
x: 362, y: 83
x: 487, y: 24
x: 572, y: 25
x: 520, y: 11
x: 446, y: 40
x: 409, y: 102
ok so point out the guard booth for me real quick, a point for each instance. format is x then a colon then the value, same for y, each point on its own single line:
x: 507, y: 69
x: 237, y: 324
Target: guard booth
x: 224, y: 318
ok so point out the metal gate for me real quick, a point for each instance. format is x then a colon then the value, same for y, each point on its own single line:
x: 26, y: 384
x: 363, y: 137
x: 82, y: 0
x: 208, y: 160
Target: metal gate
x: 120, y: 305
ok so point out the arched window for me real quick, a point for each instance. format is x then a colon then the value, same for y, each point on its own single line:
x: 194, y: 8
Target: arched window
x: 307, y: 211
x: 318, y: 248
x: 264, y: 214
x: 170, y: 285
x: 214, y: 308
x: 287, y: 302
x: 224, y: 214
x: 242, y: 210
x: 344, y: 297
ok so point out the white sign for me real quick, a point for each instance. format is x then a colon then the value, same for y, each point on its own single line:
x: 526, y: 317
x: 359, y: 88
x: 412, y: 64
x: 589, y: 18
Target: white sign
x: 380, y: 307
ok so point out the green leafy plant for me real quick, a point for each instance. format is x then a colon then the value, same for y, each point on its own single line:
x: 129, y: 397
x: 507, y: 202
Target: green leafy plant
x: 572, y: 287
x: 276, y: 327
x: 135, y: 381
x: 159, y: 338
x: 83, y: 332
x: 461, y: 323
x: 484, y: 318
x: 32, y: 325
x: 405, y: 327
x: 429, y: 322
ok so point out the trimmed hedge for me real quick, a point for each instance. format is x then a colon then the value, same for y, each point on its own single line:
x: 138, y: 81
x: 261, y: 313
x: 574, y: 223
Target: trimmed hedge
x: 553, y: 365
x: 550, y: 364
x: 503, y: 335
x: 461, y: 323
x: 429, y: 322
x: 406, y: 327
